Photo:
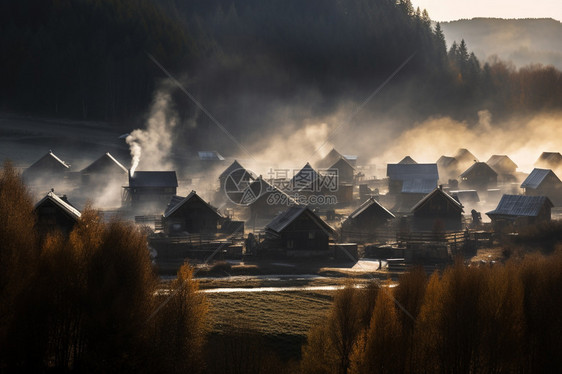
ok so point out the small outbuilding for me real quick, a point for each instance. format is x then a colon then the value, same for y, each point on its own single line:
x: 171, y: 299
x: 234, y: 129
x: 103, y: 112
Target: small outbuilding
x: 368, y: 217
x: 299, y: 231
x: 47, y: 168
x: 437, y: 211
x: 150, y: 190
x: 479, y: 176
x: 105, y: 169
x: 191, y: 214
x: 543, y: 182
x: 504, y: 167
x: 55, y: 213
x: 515, y: 211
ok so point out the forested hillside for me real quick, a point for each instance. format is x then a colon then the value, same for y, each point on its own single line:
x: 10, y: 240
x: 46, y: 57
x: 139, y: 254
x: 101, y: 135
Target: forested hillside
x: 246, y: 58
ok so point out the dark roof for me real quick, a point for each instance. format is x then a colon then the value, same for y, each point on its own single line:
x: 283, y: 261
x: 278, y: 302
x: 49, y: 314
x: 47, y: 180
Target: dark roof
x: 177, y: 201
x: 233, y: 167
x: 446, y: 161
x: 209, y: 156
x: 341, y: 162
x: 432, y: 195
x: 50, y: 157
x: 328, y: 160
x: 412, y: 172
x: 279, y: 223
x: 61, y: 203
x: 501, y: 163
x: 478, y: 167
x: 520, y: 206
x: 422, y: 186
x: 304, y: 178
x: 550, y: 158
x: 407, y: 160
x: 464, y: 155
x: 369, y: 204
x: 103, y: 164
x: 260, y: 187
x: 153, y: 179
x: 537, y: 176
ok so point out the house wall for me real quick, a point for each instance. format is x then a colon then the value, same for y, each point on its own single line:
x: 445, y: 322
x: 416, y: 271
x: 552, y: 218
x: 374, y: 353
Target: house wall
x: 50, y: 217
x: 194, y: 216
x: 304, y: 234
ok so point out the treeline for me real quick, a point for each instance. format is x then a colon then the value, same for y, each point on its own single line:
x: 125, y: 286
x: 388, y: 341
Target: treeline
x: 85, y: 58
x: 489, y: 319
x: 243, y: 58
x: 86, y: 302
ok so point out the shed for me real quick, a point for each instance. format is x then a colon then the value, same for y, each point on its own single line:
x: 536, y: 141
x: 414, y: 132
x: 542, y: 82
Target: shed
x: 48, y: 167
x: 520, y: 210
x: 437, y: 211
x: 299, y: 229
x: 543, y: 182
x: 150, y: 190
x: 369, y: 216
x: 191, y: 214
x: 55, y: 213
x: 479, y: 176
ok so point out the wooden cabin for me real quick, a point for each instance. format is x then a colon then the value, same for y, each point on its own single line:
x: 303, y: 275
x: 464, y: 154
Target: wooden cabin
x: 543, y: 182
x: 464, y: 158
x: 332, y: 157
x: 368, y: 217
x: 298, y: 231
x: 191, y: 214
x: 504, y: 167
x: 266, y: 200
x: 345, y: 171
x: 437, y: 211
x: 104, y: 170
x: 479, y: 176
x: 150, y: 191
x: 46, y: 170
x: 515, y: 211
x: 55, y: 213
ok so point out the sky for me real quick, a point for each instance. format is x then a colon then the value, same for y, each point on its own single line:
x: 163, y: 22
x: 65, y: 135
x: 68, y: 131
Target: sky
x: 449, y: 10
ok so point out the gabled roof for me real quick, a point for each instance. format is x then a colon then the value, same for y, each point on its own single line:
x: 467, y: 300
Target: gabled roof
x: 103, y: 163
x: 50, y: 157
x: 329, y: 159
x: 520, y: 206
x: 209, y: 156
x: 478, y: 167
x: 438, y: 192
x: 279, y: 223
x: 412, y: 172
x: 446, y: 161
x: 64, y: 205
x: 233, y: 167
x: 464, y: 155
x: 501, y: 162
x: 423, y: 186
x: 260, y: 188
x: 407, y: 160
x: 537, y: 177
x: 304, y: 178
x: 177, y: 201
x: 153, y: 179
x: 551, y: 158
x: 342, y: 162
x: 372, y: 204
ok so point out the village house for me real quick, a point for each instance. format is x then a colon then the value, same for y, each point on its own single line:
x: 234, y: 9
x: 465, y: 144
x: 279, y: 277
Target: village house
x: 409, y: 183
x: 266, y: 200
x: 298, y: 231
x: 367, y: 218
x: 464, y: 158
x: 55, y: 213
x: 479, y: 176
x: 49, y: 169
x: 407, y: 161
x: 543, y: 182
x: 102, y: 172
x: 515, y: 211
x: 150, y: 191
x: 332, y: 157
x: 191, y: 214
x: 234, y: 180
x: 504, y: 167
x: 320, y: 190
x: 437, y: 211
x: 345, y: 171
